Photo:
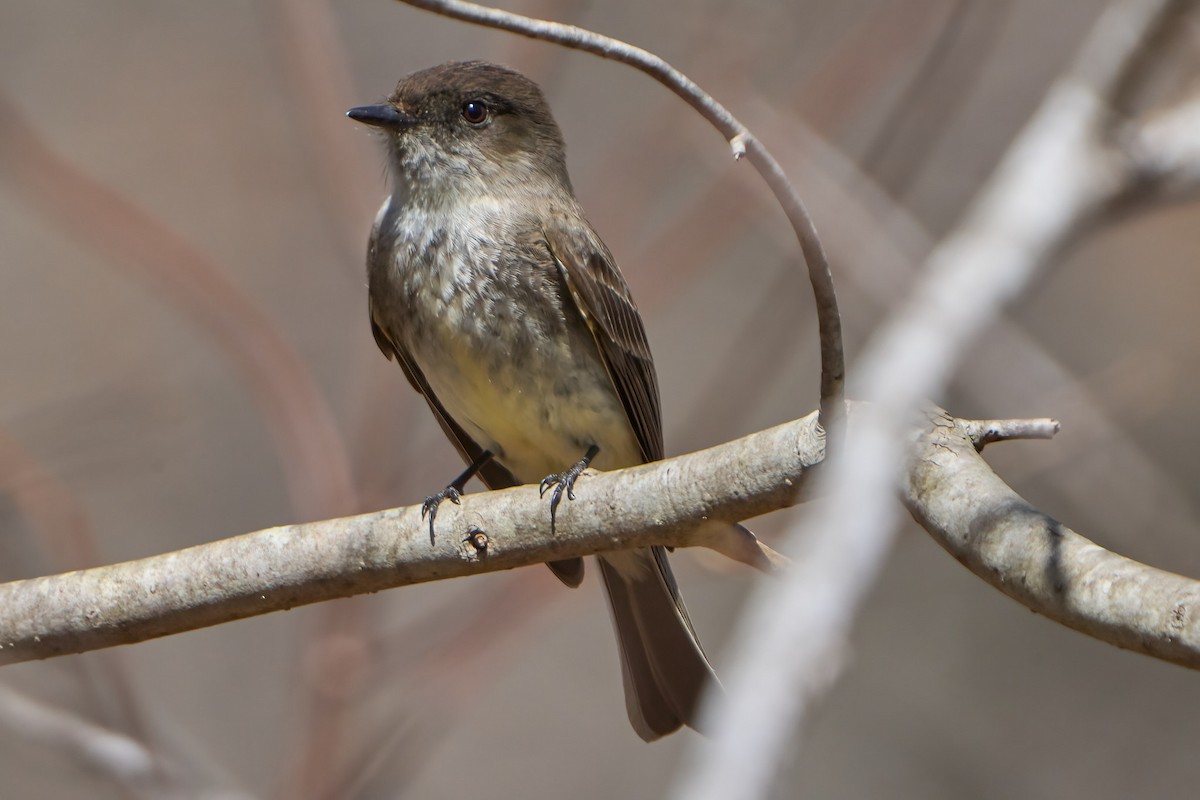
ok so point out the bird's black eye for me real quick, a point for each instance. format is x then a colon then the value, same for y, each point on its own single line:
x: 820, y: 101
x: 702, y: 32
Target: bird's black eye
x: 475, y: 112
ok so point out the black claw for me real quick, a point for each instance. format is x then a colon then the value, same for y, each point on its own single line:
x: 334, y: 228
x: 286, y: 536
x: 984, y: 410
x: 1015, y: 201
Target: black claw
x: 565, y: 481
x: 430, y: 506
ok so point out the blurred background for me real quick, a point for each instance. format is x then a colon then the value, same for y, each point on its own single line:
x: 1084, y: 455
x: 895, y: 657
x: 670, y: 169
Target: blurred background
x: 185, y: 356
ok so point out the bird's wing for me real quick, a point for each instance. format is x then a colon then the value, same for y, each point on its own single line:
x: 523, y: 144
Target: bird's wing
x: 602, y: 298
x: 664, y: 668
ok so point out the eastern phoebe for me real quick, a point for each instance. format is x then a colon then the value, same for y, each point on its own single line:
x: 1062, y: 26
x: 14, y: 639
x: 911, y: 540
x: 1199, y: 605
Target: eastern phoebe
x: 509, y: 315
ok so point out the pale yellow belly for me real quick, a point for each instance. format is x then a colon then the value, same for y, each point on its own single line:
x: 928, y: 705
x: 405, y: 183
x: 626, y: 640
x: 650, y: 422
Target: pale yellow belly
x: 533, y: 419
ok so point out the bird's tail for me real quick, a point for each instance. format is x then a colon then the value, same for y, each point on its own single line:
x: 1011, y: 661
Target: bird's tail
x: 664, y: 668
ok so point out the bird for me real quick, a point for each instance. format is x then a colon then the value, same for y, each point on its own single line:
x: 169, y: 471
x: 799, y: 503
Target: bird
x: 509, y: 315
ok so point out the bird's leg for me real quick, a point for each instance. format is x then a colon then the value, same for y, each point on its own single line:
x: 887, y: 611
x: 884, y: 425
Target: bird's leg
x: 565, y: 480
x: 453, y: 492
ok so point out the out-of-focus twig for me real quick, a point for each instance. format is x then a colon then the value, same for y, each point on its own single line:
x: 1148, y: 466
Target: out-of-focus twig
x: 58, y: 518
x: 120, y: 757
x: 314, y: 68
x: 1164, y: 157
x: 925, y: 109
x: 463, y: 653
x: 124, y: 760
x: 1056, y: 177
x: 861, y: 64
x: 879, y: 267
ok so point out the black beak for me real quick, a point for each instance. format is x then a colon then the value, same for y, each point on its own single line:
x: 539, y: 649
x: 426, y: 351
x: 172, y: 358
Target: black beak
x: 384, y: 115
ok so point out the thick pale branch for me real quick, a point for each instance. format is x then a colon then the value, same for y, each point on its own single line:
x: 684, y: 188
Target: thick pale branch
x: 948, y: 487
x: 662, y: 503
x: 1036, y: 560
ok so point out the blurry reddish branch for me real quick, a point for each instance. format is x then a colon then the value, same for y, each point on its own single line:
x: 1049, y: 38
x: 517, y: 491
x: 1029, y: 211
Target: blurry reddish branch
x: 926, y: 107
x: 314, y: 65
x: 311, y: 452
x: 54, y: 514
x: 743, y: 142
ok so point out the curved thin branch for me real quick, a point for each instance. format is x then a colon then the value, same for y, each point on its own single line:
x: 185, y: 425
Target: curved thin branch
x: 743, y: 142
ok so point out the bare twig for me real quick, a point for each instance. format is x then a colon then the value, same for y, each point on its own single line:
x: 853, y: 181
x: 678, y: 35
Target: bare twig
x: 741, y: 140
x: 1005, y: 430
x: 739, y: 544
x: 944, y: 77
x: 121, y: 758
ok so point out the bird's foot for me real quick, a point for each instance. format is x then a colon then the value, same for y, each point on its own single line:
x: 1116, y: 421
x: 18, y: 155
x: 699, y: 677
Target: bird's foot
x: 430, y: 507
x: 564, y: 481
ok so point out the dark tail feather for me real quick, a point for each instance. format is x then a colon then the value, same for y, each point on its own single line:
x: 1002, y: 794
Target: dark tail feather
x: 568, y: 570
x: 663, y: 665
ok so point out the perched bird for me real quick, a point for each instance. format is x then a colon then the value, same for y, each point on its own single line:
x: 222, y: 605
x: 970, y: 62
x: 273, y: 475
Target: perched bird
x: 509, y: 315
